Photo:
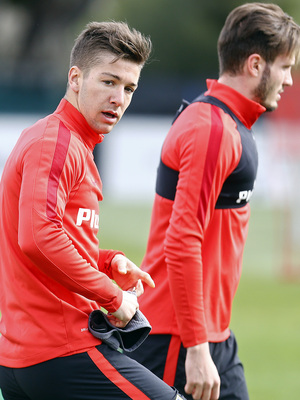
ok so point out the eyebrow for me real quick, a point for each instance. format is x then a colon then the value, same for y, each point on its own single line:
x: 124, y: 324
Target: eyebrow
x: 117, y: 77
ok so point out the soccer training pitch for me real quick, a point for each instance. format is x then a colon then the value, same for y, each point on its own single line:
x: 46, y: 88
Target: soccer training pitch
x: 266, y: 317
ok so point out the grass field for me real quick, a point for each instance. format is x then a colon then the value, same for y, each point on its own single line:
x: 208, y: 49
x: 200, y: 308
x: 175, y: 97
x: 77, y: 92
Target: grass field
x: 266, y: 321
x: 266, y: 317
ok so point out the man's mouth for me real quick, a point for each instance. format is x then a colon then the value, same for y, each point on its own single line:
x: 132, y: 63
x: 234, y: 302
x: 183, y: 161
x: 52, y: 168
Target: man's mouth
x: 110, y: 114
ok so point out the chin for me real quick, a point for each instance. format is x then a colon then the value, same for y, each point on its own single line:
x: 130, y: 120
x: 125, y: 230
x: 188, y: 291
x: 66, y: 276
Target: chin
x: 103, y: 130
x: 270, y: 107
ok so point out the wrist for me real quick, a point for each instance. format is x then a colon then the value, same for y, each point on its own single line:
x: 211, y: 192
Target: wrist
x: 201, y: 347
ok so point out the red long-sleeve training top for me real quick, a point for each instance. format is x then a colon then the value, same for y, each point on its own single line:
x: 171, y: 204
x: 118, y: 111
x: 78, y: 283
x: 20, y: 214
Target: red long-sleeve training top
x: 52, y: 273
x: 194, y: 251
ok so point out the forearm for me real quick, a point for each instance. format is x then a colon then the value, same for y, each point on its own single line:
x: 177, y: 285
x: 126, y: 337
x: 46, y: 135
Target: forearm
x: 185, y: 283
x: 51, y: 250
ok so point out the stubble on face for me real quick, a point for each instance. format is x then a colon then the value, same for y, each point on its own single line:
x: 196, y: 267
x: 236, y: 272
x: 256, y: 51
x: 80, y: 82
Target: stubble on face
x: 264, y: 89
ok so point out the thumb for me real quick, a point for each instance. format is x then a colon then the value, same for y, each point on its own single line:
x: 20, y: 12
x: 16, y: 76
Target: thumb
x: 120, y: 264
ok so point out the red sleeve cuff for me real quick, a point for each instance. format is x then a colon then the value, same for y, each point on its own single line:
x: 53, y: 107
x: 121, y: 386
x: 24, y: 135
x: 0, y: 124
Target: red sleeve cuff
x: 104, y: 261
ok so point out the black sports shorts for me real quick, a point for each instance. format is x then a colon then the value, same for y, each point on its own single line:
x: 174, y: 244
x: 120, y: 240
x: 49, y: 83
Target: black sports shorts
x: 165, y: 356
x: 100, y: 373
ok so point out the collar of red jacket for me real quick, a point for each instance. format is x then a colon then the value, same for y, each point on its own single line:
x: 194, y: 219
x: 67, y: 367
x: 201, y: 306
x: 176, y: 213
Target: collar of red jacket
x: 247, y: 111
x: 76, y: 122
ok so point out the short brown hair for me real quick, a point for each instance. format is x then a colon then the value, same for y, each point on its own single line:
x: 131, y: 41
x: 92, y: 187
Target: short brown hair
x: 261, y: 28
x: 113, y: 37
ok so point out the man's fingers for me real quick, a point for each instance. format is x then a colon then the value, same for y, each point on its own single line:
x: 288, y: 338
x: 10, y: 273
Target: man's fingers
x: 202, y: 392
x: 206, y: 393
x: 195, y: 391
x: 147, y: 279
x: 189, y: 388
x: 122, y: 267
x: 139, y: 289
x: 215, y: 393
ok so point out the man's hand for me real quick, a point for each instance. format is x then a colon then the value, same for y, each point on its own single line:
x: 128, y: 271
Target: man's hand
x: 202, y: 378
x: 129, y: 276
x: 126, y: 311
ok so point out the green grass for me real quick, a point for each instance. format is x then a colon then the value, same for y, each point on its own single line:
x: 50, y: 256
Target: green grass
x: 266, y: 321
x: 269, y: 250
x: 265, y: 318
x: 125, y: 227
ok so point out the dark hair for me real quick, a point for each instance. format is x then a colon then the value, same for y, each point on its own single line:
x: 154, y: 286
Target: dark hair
x: 260, y: 28
x: 113, y: 37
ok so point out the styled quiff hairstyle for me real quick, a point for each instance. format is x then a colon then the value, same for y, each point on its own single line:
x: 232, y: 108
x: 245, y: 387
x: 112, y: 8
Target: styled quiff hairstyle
x: 109, y: 37
x: 256, y: 28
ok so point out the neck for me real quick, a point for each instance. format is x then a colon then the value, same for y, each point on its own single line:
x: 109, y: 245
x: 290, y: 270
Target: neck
x: 239, y: 83
x: 71, y: 98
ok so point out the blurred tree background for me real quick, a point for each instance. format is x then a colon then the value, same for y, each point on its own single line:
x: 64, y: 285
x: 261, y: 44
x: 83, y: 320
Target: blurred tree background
x: 36, y: 37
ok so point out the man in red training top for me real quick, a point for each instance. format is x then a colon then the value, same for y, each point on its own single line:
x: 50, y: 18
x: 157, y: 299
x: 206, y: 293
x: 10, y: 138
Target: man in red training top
x: 200, y: 214
x: 52, y: 273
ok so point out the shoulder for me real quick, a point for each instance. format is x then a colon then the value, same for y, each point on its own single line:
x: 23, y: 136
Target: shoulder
x: 198, y: 121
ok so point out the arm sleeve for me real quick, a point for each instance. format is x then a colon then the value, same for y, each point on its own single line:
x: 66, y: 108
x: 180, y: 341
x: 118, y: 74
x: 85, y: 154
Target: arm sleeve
x: 202, y: 164
x: 105, y: 259
x: 44, y: 240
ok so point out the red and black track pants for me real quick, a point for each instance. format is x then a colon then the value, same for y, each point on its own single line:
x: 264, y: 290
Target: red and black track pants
x: 100, y: 373
x: 165, y: 356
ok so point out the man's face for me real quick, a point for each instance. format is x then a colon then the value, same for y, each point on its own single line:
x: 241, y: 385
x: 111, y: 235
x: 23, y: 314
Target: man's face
x: 104, y: 93
x: 275, y: 77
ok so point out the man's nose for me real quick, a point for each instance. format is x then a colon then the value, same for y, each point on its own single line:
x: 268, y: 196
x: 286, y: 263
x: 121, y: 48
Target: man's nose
x: 117, y: 96
x: 288, y: 79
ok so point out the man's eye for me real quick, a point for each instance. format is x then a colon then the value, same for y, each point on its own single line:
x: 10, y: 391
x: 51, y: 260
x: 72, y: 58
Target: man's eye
x: 129, y: 89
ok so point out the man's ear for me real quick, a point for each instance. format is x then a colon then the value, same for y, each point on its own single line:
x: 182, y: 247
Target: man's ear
x: 74, y: 78
x: 255, y: 65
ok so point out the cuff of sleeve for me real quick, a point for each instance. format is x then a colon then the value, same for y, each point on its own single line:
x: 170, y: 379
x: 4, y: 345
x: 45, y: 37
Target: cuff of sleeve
x: 105, y: 259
